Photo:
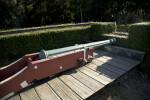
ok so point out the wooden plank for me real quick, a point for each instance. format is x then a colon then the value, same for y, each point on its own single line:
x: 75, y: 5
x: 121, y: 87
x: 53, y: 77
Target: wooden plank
x: 108, y: 67
x: 115, y: 59
x: 77, y: 86
x: 120, y: 59
x: 46, y: 93
x: 133, y: 54
x: 95, y: 75
x: 128, y: 60
x: 15, y: 97
x: 64, y: 88
x: 88, y: 81
x: 98, y: 53
x: 83, y: 82
x: 123, y: 67
x: 29, y: 95
x: 59, y: 91
x: 102, y: 70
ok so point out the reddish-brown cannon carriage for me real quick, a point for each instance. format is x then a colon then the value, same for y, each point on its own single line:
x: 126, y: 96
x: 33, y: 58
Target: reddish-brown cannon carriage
x: 36, y: 66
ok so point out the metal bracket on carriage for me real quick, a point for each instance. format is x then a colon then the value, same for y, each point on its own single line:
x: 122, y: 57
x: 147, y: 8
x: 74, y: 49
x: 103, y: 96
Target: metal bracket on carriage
x: 37, y: 66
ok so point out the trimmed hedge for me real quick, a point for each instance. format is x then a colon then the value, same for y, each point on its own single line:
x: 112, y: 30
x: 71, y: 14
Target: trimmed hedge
x: 19, y: 45
x: 100, y: 28
x: 139, y: 36
x: 15, y: 46
x: 138, y: 39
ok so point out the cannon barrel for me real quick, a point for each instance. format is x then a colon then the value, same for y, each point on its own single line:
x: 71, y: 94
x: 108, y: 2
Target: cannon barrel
x: 44, y: 54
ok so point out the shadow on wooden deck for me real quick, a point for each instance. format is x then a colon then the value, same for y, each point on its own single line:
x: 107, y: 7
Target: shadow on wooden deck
x: 82, y: 82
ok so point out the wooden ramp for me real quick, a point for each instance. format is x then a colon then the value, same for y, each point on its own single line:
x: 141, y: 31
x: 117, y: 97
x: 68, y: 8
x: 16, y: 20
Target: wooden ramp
x: 79, y: 83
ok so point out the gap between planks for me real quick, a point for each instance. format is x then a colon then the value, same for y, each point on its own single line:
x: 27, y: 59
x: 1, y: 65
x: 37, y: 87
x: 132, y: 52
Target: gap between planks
x: 93, y: 67
x: 86, y: 80
x: 57, y: 83
x: 45, y: 92
x: 76, y: 86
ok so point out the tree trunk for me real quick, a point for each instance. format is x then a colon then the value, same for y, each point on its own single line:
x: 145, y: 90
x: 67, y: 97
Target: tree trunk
x: 126, y: 20
x: 118, y: 21
x: 81, y: 14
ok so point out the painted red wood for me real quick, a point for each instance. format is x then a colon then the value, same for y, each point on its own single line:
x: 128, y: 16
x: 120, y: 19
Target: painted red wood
x: 42, y: 68
x: 17, y: 66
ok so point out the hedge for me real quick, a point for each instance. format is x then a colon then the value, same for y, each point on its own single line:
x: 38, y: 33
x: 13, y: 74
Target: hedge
x: 139, y: 36
x: 138, y: 39
x: 18, y: 45
x: 15, y: 46
x: 100, y: 28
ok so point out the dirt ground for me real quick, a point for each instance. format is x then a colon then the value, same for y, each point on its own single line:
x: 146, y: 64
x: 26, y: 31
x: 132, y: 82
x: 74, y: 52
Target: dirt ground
x: 131, y: 86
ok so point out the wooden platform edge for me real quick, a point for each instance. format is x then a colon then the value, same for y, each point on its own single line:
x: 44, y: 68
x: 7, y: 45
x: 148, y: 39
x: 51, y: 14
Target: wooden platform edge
x: 96, y: 94
x: 134, y: 54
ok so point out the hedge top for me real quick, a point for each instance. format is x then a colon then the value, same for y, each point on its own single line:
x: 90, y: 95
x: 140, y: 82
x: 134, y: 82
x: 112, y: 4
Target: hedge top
x: 81, y: 26
x: 44, y: 31
x: 142, y: 23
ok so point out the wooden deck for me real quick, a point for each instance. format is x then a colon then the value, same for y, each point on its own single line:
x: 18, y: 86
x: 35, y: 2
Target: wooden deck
x: 79, y: 83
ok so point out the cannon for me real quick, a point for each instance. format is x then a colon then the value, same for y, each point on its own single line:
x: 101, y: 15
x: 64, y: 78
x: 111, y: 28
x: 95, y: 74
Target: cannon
x: 36, y: 66
x: 45, y: 54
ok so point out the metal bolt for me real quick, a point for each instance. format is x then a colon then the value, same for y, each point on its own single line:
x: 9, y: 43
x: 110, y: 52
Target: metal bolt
x: 35, y: 67
x: 60, y: 67
x: 89, y: 56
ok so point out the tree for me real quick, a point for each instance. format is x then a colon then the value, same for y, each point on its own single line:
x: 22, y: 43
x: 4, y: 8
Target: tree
x: 9, y: 14
x: 27, y: 13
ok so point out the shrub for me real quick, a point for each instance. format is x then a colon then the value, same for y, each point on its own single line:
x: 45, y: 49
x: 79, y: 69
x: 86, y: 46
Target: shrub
x: 139, y: 36
x: 97, y: 29
x: 17, y: 45
x: 139, y: 39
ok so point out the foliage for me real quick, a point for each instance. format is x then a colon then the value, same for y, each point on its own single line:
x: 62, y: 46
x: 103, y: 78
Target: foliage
x: 9, y: 14
x: 64, y: 27
x: 17, y: 45
x: 123, y: 28
x: 140, y: 33
x: 100, y: 28
x: 29, y: 13
x: 138, y: 39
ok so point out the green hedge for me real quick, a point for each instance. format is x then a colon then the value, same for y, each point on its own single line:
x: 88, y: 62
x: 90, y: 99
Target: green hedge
x: 18, y: 45
x: 139, y: 36
x: 15, y: 46
x: 100, y: 28
x: 138, y: 39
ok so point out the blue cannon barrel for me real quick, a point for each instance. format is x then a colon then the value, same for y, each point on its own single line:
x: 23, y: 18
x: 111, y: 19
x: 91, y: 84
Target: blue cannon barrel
x: 45, y: 54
